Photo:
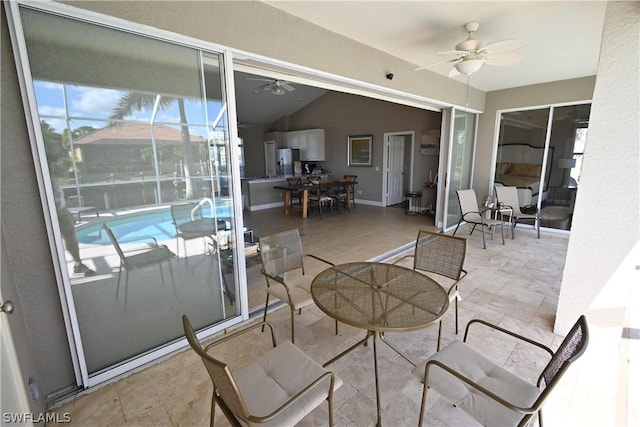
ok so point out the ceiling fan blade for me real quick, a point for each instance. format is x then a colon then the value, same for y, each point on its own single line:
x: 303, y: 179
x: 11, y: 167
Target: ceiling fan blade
x: 267, y: 87
x: 453, y: 52
x: 449, y: 61
x: 503, y: 59
x: 504, y: 46
x: 287, y: 86
x: 260, y: 79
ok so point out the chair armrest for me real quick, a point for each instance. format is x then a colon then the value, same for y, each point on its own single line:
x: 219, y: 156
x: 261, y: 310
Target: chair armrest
x: 320, y: 259
x: 452, y: 291
x: 295, y: 398
x: 138, y: 239
x: 237, y: 333
x: 278, y: 279
x: 475, y: 385
x: 508, y: 332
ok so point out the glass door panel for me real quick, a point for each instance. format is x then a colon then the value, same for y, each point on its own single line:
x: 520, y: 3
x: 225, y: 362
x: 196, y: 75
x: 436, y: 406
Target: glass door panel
x: 461, y: 143
x: 137, y: 145
x: 567, y: 143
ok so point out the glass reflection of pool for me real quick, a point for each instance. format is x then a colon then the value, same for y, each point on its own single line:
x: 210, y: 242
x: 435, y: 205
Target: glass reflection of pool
x: 139, y: 226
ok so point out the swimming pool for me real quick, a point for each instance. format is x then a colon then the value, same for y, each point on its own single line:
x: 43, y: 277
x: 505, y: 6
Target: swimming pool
x: 139, y: 226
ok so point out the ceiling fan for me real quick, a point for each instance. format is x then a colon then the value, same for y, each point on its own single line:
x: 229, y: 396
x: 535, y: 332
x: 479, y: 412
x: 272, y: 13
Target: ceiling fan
x: 472, y: 54
x: 275, y: 86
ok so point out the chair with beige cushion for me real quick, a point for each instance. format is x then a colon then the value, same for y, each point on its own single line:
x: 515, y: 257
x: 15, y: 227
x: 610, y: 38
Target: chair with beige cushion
x: 443, y: 256
x: 278, y: 389
x: 509, y: 197
x: 472, y: 214
x: 283, y: 268
x: 489, y: 393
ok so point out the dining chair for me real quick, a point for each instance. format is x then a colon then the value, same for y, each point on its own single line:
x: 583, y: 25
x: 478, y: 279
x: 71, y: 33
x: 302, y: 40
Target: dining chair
x: 352, y: 187
x: 295, y: 195
x: 340, y: 193
x: 444, y: 256
x: 489, y: 393
x: 319, y: 196
x: 509, y: 197
x: 283, y: 258
x: 140, y: 258
x: 279, y: 389
x: 472, y: 214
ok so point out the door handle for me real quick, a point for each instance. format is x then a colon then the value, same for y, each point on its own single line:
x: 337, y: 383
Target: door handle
x: 7, y: 307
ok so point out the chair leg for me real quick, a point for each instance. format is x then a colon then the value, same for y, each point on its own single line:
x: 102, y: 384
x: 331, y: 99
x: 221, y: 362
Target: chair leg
x: 423, y: 405
x: 264, y: 317
x: 484, y: 243
x: 173, y: 280
x: 126, y: 288
x: 457, y: 297
x: 293, y: 330
x: 440, y: 335
x: 213, y: 409
x: 118, y: 287
x: 454, y: 231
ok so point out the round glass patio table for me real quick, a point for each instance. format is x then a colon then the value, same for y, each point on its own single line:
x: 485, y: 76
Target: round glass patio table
x: 379, y: 297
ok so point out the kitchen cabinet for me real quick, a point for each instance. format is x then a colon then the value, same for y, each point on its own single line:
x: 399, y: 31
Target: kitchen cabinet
x: 310, y: 142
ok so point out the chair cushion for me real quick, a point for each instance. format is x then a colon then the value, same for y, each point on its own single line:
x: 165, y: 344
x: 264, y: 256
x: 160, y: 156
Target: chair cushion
x: 299, y: 289
x: 465, y: 360
x: 269, y: 382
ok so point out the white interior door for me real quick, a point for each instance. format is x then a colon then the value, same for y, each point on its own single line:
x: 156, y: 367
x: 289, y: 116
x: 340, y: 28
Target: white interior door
x: 395, y: 170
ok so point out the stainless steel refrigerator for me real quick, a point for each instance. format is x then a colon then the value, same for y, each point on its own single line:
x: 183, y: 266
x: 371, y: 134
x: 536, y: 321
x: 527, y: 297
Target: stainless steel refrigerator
x: 284, y: 159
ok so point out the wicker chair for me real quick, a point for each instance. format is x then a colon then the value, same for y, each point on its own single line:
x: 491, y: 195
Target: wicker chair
x: 473, y: 215
x: 489, y: 393
x: 443, y: 256
x: 281, y: 254
x: 279, y: 389
x: 509, y: 197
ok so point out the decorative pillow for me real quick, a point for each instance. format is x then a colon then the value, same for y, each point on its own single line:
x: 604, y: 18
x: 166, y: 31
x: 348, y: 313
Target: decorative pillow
x: 525, y: 169
x: 503, y: 168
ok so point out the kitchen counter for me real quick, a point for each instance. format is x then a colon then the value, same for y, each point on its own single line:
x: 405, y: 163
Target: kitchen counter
x: 260, y: 193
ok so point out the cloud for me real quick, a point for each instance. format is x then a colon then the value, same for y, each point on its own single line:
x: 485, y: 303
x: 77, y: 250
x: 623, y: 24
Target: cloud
x: 99, y: 101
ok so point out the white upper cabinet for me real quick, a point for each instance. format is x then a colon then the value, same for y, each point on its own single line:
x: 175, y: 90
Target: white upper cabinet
x: 310, y: 142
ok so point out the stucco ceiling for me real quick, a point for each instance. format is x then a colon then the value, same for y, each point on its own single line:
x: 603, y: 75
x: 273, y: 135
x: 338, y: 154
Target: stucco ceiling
x: 563, y: 36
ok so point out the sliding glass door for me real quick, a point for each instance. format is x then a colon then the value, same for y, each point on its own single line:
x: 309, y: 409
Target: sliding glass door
x: 460, y: 163
x: 137, y: 160
x: 540, y: 153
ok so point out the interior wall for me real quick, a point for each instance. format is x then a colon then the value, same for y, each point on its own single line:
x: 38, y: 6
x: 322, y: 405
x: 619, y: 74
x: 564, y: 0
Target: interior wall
x: 342, y: 114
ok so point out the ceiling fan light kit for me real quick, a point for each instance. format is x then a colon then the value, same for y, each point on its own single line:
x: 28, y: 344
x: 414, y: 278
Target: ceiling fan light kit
x: 469, y: 66
x: 276, y: 87
x: 471, y: 54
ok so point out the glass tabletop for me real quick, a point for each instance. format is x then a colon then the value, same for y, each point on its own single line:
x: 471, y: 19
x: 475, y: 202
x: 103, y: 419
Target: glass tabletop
x: 379, y: 296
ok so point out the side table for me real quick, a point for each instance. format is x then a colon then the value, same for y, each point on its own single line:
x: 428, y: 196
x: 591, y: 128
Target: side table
x: 414, y: 203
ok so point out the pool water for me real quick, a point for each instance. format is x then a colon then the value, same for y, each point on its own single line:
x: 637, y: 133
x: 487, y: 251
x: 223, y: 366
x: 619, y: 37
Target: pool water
x: 138, y: 227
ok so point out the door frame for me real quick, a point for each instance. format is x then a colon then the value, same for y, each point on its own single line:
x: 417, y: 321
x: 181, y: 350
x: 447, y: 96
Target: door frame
x: 385, y: 158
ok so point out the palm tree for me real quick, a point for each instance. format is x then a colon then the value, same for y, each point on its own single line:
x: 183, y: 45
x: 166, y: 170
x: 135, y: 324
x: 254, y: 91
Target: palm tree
x: 134, y: 101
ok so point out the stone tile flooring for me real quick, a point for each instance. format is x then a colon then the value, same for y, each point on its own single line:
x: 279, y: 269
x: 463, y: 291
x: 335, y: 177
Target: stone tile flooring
x: 515, y: 286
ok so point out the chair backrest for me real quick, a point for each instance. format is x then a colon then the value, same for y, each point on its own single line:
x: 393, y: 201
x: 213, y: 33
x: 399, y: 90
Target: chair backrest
x: 571, y: 348
x: 469, y: 205
x: 509, y: 197
x: 281, y: 252
x: 221, y: 377
x: 440, y: 254
x: 114, y: 242
x: 181, y: 213
x: 294, y: 180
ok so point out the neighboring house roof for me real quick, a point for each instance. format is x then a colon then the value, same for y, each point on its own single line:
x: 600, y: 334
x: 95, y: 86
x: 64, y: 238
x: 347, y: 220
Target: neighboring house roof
x: 133, y: 134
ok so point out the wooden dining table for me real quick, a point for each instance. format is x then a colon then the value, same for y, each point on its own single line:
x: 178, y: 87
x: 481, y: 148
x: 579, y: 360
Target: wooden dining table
x: 305, y: 190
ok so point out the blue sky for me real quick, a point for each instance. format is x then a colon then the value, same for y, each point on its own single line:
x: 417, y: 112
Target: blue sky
x: 90, y: 106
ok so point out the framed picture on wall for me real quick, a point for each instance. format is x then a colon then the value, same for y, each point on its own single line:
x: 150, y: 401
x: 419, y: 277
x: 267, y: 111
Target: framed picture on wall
x: 359, y: 150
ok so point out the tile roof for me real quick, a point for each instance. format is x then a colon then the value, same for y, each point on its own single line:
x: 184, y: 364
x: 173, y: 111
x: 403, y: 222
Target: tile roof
x: 133, y: 133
